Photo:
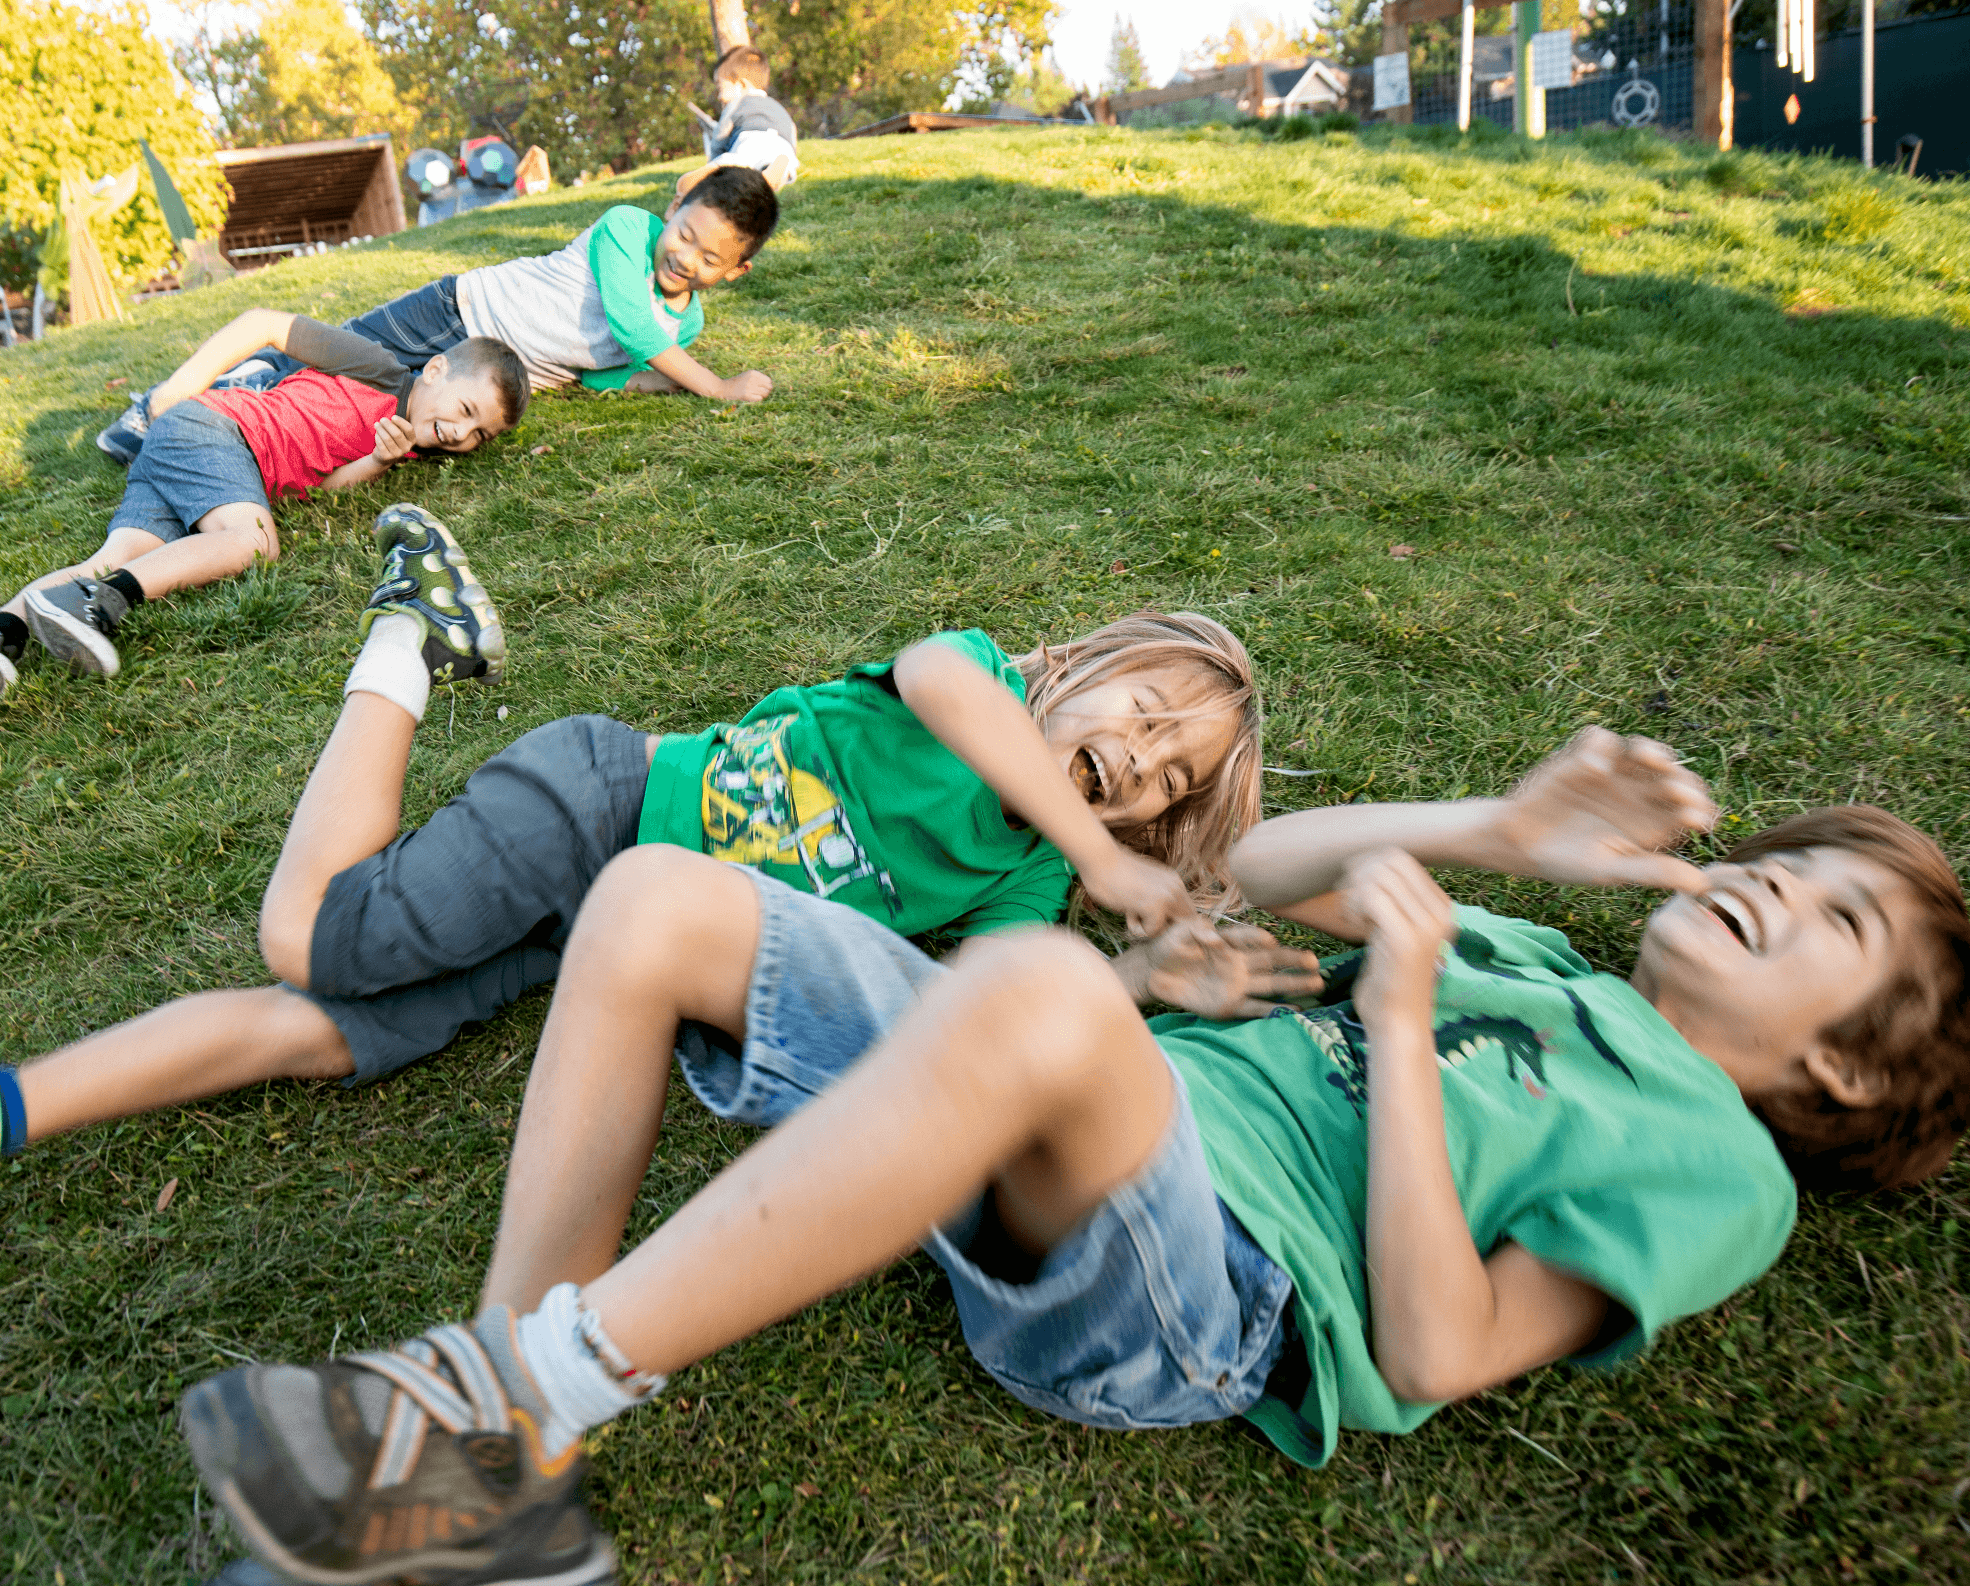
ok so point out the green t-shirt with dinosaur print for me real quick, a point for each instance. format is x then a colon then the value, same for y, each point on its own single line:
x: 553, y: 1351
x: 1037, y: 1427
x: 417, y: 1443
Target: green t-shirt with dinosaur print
x: 839, y: 790
x: 1579, y: 1124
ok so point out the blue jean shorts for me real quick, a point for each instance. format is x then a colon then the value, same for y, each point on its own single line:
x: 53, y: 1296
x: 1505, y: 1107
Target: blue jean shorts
x: 194, y: 459
x: 1157, y: 1311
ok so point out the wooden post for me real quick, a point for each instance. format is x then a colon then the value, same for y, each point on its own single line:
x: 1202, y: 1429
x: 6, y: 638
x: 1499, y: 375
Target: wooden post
x: 1715, y: 113
x: 728, y: 25
x: 1255, y: 89
x: 1395, y: 41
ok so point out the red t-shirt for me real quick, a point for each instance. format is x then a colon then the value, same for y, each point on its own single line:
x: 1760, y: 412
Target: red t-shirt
x: 306, y: 427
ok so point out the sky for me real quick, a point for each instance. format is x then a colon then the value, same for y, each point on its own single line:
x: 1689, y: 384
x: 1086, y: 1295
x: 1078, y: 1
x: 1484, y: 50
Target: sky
x: 1167, y: 29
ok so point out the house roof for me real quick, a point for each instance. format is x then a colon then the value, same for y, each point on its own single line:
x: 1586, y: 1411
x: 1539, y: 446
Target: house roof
x: 325, y: 180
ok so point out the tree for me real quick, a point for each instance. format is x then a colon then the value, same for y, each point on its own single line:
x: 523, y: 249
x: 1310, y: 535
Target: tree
x: 83, y: 87
x: 1250, y: 37
x: 728, y: 25
x: 223, y: 63
x: 595, y: 82
x: 841, y: 63
x: 1127, y: 70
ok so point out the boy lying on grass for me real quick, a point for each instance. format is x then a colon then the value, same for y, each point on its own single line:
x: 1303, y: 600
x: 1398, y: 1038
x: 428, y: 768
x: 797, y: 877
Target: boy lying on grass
x: 196, y: 508
x: 953, y: 789
x: 1478, y: 1157
x: 614, y: 309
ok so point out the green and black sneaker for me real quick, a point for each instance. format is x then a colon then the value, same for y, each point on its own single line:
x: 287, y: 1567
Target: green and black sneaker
x: 425, y: 575
x: 421, y: 1463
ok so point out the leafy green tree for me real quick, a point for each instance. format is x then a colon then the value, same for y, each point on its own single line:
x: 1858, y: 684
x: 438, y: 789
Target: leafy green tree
x: 1127, y: 69
x: 81, y: 87
x: 594, y: 82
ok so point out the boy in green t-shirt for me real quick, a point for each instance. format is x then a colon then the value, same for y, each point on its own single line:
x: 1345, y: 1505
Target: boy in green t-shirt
x: 1478, y: 1156
x: 952, y: 789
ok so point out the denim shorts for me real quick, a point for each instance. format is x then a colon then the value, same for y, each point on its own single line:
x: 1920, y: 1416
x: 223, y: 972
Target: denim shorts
x: 456, y: 919
x: 194, y: 459
x: 1157, y: 1311
x: 415, y: 327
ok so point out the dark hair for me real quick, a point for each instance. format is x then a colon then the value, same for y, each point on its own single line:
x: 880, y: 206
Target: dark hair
x: 1914, y: 1037
x: 743, y: 197
x: 743, y: 64
x: 499, y: 363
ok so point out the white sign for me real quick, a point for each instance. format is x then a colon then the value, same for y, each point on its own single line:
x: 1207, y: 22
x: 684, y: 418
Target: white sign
x: 1392, y: 80
x: 1552, y: 59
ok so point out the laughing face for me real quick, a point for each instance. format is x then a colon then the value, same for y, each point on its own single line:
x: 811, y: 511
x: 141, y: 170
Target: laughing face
x: 453, y: 413
x: 1135, y: 745
x: 1772, y: 953
x: 699, y: 248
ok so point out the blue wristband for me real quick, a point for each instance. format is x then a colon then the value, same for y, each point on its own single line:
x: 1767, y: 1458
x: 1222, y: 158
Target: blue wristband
x: 13, y: 1115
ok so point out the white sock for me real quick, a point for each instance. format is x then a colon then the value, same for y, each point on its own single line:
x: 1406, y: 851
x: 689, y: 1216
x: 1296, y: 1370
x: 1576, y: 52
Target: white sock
x: 586, y: 1379
x: 392, y: 664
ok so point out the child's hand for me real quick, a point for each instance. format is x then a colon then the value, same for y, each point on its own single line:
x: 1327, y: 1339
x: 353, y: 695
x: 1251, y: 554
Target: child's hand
x: 1222, y: 973
x: 394, y: 436
x: 1600, y: 810
x: 1150, y: 895
x: 752, y: 386
x: 1407, y: 919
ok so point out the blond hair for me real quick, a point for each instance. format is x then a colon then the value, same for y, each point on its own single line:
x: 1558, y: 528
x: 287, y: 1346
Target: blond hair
x: 1194, y: 835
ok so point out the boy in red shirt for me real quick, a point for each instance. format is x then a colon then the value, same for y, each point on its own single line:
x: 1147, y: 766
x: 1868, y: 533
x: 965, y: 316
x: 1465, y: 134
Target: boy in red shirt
x: 197, y: 507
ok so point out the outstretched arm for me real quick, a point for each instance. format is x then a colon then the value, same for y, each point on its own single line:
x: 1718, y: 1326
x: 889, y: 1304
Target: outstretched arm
x: 974, y: 716
x: 226, y: 346
x: 1448, y: 1322
x: 1598, y: 812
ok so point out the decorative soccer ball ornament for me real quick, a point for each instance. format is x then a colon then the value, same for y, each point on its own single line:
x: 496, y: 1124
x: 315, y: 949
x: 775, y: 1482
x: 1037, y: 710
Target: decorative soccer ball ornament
x: 1636, y: 103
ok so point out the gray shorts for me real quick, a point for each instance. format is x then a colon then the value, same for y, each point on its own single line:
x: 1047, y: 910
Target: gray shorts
x: 456, y: 919
x: 1157, y: 1311
x: 193, y: 460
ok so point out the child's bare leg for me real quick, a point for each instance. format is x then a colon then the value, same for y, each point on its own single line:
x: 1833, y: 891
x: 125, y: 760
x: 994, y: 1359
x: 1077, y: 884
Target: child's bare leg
x: 122, y: 547
x: 229, y: 540
x: 350, y: 809
x: 678, y: 931
x: 197, y: 1046
x: 1028, y: 1069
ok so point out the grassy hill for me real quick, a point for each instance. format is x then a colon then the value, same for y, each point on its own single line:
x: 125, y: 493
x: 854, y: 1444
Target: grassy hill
x: 1472, y: 442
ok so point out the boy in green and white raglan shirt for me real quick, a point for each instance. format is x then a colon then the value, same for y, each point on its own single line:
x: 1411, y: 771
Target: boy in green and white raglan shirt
x: 1477, y: 1157
x: 617, y: 307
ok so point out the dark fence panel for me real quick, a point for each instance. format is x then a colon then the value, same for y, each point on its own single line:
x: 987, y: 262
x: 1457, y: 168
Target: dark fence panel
x: 1633, y: 63
x: 1921, y: 86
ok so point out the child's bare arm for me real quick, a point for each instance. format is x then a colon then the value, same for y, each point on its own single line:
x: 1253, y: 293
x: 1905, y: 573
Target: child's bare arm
x: 226, y: 346
x: 1221, y: 972
x: 393, y: 439
x: 1448, y: 1322
x: 1598, y: 812
x: 981, y: 723
x: 678, y: 366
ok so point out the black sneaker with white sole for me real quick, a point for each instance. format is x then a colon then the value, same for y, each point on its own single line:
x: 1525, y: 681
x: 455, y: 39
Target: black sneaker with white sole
x: 77, y: 621
x: 425, y: 575
x: 424, y: 1462
x: 123, y: 437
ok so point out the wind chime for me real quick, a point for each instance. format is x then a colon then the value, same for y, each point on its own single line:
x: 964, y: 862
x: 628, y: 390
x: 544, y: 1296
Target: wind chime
x: 1796, y: 27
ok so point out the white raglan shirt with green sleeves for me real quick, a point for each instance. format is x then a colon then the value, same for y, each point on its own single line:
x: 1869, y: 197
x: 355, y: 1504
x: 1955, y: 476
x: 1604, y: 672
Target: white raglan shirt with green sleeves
x: 1579, y: 1124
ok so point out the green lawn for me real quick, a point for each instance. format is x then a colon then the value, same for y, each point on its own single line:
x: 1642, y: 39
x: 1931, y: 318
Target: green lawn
x: 1677, y: 444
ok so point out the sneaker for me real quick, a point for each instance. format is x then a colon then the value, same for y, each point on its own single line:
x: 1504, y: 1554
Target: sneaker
x: 596, y: 1567
x: 425, y: 575
x: 8, y: 676
x: 77, y: 621
x: 424, y: 1461
x: 124, y: 438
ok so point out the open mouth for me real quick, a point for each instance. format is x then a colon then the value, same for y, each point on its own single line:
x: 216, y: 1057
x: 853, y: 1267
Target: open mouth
x: 1735, y: 918
x: 1089, y: 777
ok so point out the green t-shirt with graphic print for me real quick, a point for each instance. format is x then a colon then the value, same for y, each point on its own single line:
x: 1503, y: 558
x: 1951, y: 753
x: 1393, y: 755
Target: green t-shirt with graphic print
x: 1579, y: 1123
x: 840, y: 791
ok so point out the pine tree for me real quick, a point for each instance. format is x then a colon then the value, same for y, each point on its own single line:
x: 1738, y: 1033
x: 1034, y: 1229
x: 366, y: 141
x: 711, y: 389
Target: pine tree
x: 1127, y: 69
